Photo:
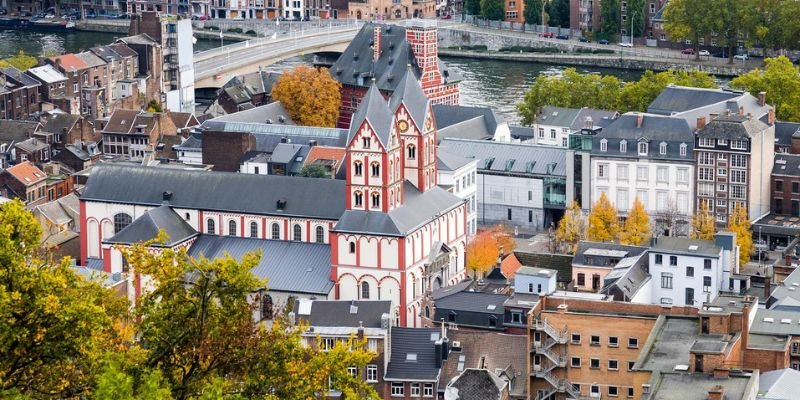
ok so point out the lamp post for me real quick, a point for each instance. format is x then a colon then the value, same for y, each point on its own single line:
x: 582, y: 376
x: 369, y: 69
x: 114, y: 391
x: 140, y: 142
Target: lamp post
x: 633, y: 15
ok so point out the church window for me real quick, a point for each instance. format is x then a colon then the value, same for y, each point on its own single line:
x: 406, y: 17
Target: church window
x: 412, y: 152
x: 231, y: 228
x: 358, y: 199
x: 376, y: 168
x: 364, y: 290
x: 352, y: 247
x: 366, y: 142
x: 376, y: 200
x: 297, y: 232
x: 276, y: 231
x: 211, y: 226
x: 320, y: 231
x: 357, y: 168
x: 253, y: 229
x: 121, y: 221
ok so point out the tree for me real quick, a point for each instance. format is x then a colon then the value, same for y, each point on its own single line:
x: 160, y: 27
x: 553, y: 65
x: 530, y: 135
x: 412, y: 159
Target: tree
x: 689, y: 19
x: 703, y: 224
x: 484, y: 249
x: 533, y: 12
x: 603, y: 221
x: 637, y: 226
x: 20, y: 61
x: 154, y: 106
x: 55, y: 325
x: 310, y: 96
x: 671, y: 221
x: 493, y: 10
x: 609, y: 18
x: 472, y: 7
x: 558, y: 11
x: 572, y: 90
x: 740, y: 224
x: 571, y: 227
x: 780, y: 79
x: 313, y: 171
x: 636, y: 12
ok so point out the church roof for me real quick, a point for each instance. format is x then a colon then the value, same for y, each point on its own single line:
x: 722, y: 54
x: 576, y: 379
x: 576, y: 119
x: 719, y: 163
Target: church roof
x: 409, y: 92
x: 375, y: 110
x: 148, y: 225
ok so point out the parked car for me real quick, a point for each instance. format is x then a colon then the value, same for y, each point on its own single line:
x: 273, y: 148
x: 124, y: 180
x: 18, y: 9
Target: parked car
x: 704, y: 53
x: 563, y: 37
x: 687, y: 51
x: 448, y: 16
x: 548, y: 34
x: 742, y: 57
x: 625, y: 44
x: 584, y: 40
x: 603, y: 41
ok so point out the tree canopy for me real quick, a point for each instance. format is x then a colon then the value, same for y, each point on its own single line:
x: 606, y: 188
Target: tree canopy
x: 603, y: 221
x: 20, y: 61
x: 493, y: 10
x: 609, y: 19
x: 571, y: 228
x: 484, y: 248
x: 472, y: 7
x: 780, y: 79
x: 558, y: 12
x: 703, y: 224
x: 637, y: 231
x: 310, y: 96
x: 533, y: 12
x: 739, y: 223
x: 313, y: 171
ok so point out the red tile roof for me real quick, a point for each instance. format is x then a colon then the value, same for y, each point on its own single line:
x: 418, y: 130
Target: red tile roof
x: 69, y: 62
x: 27, y: 173
x: 326, y: 153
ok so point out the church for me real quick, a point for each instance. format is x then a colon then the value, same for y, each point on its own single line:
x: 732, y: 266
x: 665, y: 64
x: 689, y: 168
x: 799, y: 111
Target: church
x: 385, y: 232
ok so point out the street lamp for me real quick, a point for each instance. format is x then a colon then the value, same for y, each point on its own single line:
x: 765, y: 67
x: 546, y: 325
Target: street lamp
x: 633, y: 15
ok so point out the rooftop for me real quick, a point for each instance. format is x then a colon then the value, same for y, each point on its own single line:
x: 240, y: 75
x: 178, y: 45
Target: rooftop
x: 776, y: 322
x: 352, y: 314
x: 686, y: 246
x: 272, y: 113
x: 786, y: 164
x: 513, y: 158
x: 47, y: 73
x: 475, y: 302
x: 733, y: 127
x: 499, y: 353
x: 670, y: 342
x: 684, y: 386
x: 413, y: 355
x: 148, y: 226
x: 675, y: 99
x: 779, y: 384
x: 26, y: 173
x: 475, y: 384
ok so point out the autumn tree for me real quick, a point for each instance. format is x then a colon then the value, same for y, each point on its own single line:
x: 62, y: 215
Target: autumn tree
x: 154, y: 106
x: 703, y: 224
x: 780, y: 79
x: 571, y: 227
x: 739, y: 223
x: 637, y: 226
x: 20, y: 61
x: 484, y: 249
x: 56, y: 325
x: 603, y: 221
x: 311, y: 96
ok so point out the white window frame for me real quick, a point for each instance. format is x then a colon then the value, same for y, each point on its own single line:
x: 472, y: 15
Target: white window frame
x: 397, y: 389
x: 372, y: 373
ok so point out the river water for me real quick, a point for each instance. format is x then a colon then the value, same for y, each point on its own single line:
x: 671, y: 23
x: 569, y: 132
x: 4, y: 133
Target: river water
x: 497, y: 84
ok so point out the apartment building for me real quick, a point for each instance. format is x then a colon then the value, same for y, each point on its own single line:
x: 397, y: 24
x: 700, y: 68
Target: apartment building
x: 19, y: 94
x: 734, y: 155
x: 554, y: 125
x: 594, y: 261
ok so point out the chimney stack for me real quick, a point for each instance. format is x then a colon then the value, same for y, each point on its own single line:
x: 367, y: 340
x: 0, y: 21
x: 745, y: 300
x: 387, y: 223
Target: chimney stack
x: 771, y: 117
x: 376, y: 43
x: 762, y: 98
x: 741, y: 110
x: 360, y: 334
x: 639, y: 120
x: 701, y: 122
x: 720, y: 373
x: 716, y: 393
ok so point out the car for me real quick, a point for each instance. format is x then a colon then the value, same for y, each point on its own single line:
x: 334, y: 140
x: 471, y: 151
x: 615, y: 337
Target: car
x: 563, y: 37
x: 548, y: 34
x: 603, y: 41
x: 742, y: 57
x: 625, y: 44
x: 704, y: 53
x: 687, y: 51
x: 584, y: 40
x: 448, y: 16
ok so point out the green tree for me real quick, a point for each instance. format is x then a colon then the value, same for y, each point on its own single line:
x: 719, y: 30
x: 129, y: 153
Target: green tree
x: 740, y: 224
x: 571, y: 227
x: 20, y: 61
x: 311, y: 96
x: 56, y: 325
x: 689, y: 19
x: 780, y: 79
x: 636, y: 13
x: 533, y: 12
x: 313, y: 171
x: 603, y: 221
x: 637, y: 229
x: 558, y: 11
x: 609, y: 19
x: 493, y: 10
x: 124, y: 378
x: 472, y: 7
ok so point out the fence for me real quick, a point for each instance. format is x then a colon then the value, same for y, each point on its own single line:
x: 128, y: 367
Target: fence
x: 263, y: 27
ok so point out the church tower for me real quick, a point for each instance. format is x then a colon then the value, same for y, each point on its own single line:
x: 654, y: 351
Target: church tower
x: 373, y: 160
x: 414, y: 121
x: 421, y: 37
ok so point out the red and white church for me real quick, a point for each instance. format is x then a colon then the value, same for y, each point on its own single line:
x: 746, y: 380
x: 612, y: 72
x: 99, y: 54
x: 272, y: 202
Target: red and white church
x: 385, y: 232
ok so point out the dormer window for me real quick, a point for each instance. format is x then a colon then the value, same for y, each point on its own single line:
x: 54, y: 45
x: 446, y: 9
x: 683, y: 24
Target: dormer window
x: 683, y: 149
x: 603, y: 145
x: 623, y: 146
x: 662, y: 148
x: 643, y: 148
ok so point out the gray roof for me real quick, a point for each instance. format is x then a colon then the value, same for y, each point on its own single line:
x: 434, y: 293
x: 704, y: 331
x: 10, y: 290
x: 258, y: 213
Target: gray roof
x: 767, y: 342
x: 673, y: 339
x: 272, y: 113
x: 510, y: 157
x: 588, y: 246
x: 351, y: 314
x: 681, y: 245
x: 626, y: 278
x: 416, y: 341
x: 786, y: 164
x: 288, y: 266
x: 446, y: 161
x: 285, y: 153
x: 601, y: 118
x: 521, y: 132
x: 465, y: 122
x: 59, y: 122
x: 106, y: 53
x: 685, y: 386
x: 147, y: 226
x: 679, y: 98
x: 268, y: 136
x: 535, y: 271
x: 655, y: 129
x: 779, y: 384
x: 47, y: 74
x: 476, y: 384
x: 193, y: 142
x: 409, y: 93
x: 11, y: 130
x: 417, y: 209
x: 21, y: 77
x: 31, y: 145
x: 557, y: 116
x: 218, y: 191
x: 558, y: 262
x: 789, y: 289
x: 732, y: 127
x: 776, y: 322
x: 374, y: 110
x: 474, y: 129
x: 784, y: 131
x: 477, y: 302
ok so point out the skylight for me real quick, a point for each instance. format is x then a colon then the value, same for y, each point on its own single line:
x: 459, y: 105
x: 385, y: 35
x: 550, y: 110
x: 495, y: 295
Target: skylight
x: 411, y: 357
x: 491, y: 307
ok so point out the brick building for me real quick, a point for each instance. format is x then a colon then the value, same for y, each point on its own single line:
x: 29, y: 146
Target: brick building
x: 55, y: 88
x: 132, y: 134
x: 26, y: 182
x: 19, y: 94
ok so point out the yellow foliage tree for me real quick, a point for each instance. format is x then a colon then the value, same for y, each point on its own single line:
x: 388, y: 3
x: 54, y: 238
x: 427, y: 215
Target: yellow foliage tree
x: 482, y: 252
x: 603, y: 221
x: 570, y: 228
x: 20, y: 61
x: 703, y: 225
x: 310, y: 96
x: 637, y: 226
x: 503, y: 237
x: 740, y: 224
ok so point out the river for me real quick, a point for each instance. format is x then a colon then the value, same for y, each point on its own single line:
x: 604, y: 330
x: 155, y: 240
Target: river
x: 496, y: 84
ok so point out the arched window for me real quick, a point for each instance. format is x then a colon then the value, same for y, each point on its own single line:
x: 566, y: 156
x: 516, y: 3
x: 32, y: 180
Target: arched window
x: 211, y: 228
x: 352, y: 247
x: 358, y: 199
x: 376, y: 168
x: 376, y: 200
x: 231, y: 228
x: 266, y: 307
x: 683, y: 149
x: 411, y: 150
x: 253, y: 229
x: 276, y: 231
x: 427, y: 312
x: 623, y: 146
x: 364, y: 290
x: 603, y: 145
x: 391, y: 198
x: 121, y: 221
x: 320, y: 234
x: 662, y: 148
x: 297, y: 232
x: 357, y: 168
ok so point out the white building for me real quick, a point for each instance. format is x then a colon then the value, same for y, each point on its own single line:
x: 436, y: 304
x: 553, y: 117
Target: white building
x: 458, y: 175
x: 533, y: 280
x: 645, y: 156
x: 179, y: 65
x: 553, y: 125
x: 686, y: 272
x: 294, y: 9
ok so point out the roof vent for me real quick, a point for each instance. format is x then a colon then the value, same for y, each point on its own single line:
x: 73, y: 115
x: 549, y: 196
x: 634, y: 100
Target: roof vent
x: 769, y: 320
x: 786, y: 321
x: 269, y: 121
x: 166, y: 196
x: 355, y: 56
x: 281, y: 119
x: 280, y: 205
x: 693, y: 248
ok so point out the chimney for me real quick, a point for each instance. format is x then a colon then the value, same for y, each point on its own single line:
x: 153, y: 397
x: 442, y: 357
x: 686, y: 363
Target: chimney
x: 749, y: 117
x: 588, y: 123
x: 771, y: 116
x: 741, y: 110
x: 166, y: 197
x: 438, y: 353
x: 639, y: 120
x: 715, y: 393
x: 762, y: 98
x: 376, y: 43
x: 360, y: 334
x: 701, y: 122
x: 563, y: 308
x: 720, y: 373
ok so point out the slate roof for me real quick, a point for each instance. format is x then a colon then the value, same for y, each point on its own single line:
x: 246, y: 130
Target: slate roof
x: 499, y: 352
x: 782, y: 323
x: 349, y: 313
x: 585, y: 245
x: 473, y: 122
x: 150, y: 223
x: 680, y: 245
x: 375, y: 110
x: 655, y: 129
x: 779, y: 384
x: 288, y: 266
x: 409, y: 93
x: 268, y: 136
x: 601, y: 118
x: 784, y: 132
x: 558, y: 262
x: 272, y: 113
x: 121, y: 121
x: 418, y: 341
x: 21, y: 77
x: 679, y: 98
x: 476, y: 302
x: 732, y: 127
x: 218, y: 191
x: 141, y: 38
x: 123, y: 50
x: 59, y: 122
x: 32, y: 145
x: 446, y: 161
x: 17, y: 131
x: 91, y: 59
x: 626, y: 278
x: 510, y: 157
x: 192, y: 143
x: 106, y: 53
x: 47, y: 74
x: 183, y: 119
x: 417, y: 209
x: 557, y: 116
x: 476, y: 384
x: 65, y: 210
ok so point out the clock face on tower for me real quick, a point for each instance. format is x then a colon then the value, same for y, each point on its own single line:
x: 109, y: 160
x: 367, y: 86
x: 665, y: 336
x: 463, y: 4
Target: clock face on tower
x: 402, y: 125
x: 428, y: 124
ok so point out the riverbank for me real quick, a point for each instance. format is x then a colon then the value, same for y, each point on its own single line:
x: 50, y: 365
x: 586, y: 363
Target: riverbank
x: 612, y: 61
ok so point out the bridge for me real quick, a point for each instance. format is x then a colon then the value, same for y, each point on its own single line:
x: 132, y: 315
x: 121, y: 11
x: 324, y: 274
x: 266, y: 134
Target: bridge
x: 213, y: 68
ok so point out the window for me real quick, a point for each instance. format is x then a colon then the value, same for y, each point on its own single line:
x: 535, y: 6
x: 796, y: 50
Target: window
x: 372, y: 373
x: 662, y: 148
x: 411, y: 151
x: 643, y: 148
x: 358, y: 168
x: 659, y: 259
x: 376, y: 169
x: 666, y: 280
x: 564, y: 142
x: 604, y: 145
x: 541, y: 133
x: 320, y: 234
x: 415, y: 389
x: 683, y: 149
x: 231, y: 228
x: 722, y: 172
x: 641, y: 173
x: 795, y: 187
x: 297, y: 233
x: 352, y: 371
x: 613, y: 391
x: 576, y: 338
x: 737, y: 192
x: 689, y: 272
x: 352, y: 247
x: 631, y: 363
x: 613, y: 365
x: 705, y: 142
x: 630, y: 392
x: 276, y: 231
x: 673, y: 260
x: 253, y: 229
x: 602, y: 170
x: 552, y: 133
x: 706, y: 264
x: 705, y: 158
x: 661, y: 174
x: 633, y: 343
x: 739, y: 144
x: 397, y: 389
x: 575, y: 362
x: 622, y: 199
x: 365, y: 290
x: 328, y: 344
x: 738, y: 161
x: 210, y: 226
x: 509, y: 214
x: 689, y: 297
x: 705, y: 174
x: 738, y: 176
x: 613, y: 341
x: 707, y: 284
x: 365, y: 142
x: 722, y: 156
x: 594, y: 363
x: 376, y: 200
x: 622, y: 172
x: 121, y: 221
x: 358, y: 199
x: 623, y: 146
x: 581, y: 279
x: 427, y: 390
x: 516, y: 317
x: 594, y: 340
x: 666, y: 301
